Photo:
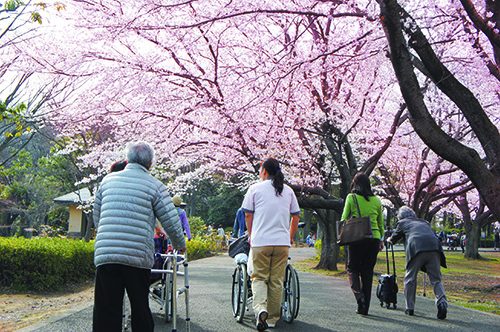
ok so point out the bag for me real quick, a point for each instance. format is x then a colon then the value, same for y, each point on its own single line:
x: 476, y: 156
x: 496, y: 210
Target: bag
x: 387, y: 289
x: 354, y: 230
x: 239, y: 246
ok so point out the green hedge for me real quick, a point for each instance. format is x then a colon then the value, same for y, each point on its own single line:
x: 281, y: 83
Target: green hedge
x: 44, y: 264
x: 486, y: 243
x: 41, y: 264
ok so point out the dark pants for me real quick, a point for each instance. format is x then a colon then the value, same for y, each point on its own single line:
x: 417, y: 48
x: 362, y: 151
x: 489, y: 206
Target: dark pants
x: 110, y: 283
x: 361, y: 262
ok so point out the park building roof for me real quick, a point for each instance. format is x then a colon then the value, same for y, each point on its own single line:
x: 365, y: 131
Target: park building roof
x: 76, y: 197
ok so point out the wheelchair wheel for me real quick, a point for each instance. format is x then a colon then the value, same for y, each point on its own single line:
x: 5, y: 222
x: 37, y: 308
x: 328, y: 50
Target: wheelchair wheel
x: 291, y: 295
x: 168, y: 291
x: 296, y: 293
x: 239, y: 292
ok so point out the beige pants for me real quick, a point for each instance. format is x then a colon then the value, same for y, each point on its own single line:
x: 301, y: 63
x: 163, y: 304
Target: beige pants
x: 267, y: 273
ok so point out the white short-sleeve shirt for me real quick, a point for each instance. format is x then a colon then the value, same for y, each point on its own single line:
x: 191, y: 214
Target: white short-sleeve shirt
x: 271, y: 214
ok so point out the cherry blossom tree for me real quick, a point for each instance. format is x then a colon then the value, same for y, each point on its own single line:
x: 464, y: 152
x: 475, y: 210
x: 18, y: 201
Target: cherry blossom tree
x: 478, y: 156
x: 221, y: 85
x: 479, y: 161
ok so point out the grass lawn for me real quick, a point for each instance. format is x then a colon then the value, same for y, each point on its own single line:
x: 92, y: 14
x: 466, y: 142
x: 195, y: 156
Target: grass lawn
x: 469, y: 283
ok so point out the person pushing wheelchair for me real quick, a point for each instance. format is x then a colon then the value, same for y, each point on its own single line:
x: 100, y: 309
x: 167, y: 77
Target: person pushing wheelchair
x: 268, y: 206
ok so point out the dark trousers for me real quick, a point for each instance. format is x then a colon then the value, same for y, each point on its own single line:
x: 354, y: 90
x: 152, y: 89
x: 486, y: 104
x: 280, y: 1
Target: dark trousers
x: 110, y: 283
x: 360, y: 264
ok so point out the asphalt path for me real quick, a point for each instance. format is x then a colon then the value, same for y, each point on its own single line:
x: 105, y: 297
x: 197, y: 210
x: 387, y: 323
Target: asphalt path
x: 326, y: 304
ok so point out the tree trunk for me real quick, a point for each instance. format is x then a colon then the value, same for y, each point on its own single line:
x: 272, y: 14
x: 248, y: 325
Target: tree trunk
x: 473, y: 236
x: 329, y: 247
x: 90, y: 227
x: 307, y: 226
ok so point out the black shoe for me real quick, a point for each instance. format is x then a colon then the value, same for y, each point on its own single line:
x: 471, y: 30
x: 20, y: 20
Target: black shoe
x: 442, y: 310
x: 362, y: 310
x: 409, y: 312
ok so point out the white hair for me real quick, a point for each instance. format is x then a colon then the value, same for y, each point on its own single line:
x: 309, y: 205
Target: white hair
x: 140, y: 153
x: 405, y: 212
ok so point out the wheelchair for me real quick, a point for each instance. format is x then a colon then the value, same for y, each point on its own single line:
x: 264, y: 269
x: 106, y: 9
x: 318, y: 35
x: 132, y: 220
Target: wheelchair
x: 241, y: 294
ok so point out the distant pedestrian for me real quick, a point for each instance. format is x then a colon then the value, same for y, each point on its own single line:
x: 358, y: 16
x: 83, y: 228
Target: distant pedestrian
x: 497, y: 239
x: 220, y: 231
x: 462, y: 242
x: 362, y: 257
x: 126, y: 208
x: 423, y: 252
x: 177, y: 200
x: 308, y: 239
x: 442, y: 237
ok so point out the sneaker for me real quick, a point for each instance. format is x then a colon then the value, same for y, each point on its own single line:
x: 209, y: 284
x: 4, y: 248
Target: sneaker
x: 261, y: 321
x: 409, y: 312
x: 442, y: 310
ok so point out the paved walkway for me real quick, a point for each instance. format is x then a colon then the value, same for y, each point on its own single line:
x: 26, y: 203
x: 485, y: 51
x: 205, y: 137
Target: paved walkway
x: 327, y: 304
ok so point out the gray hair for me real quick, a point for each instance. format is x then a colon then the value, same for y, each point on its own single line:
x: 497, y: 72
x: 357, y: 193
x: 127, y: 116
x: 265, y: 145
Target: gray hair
x: 405, y: 212
x: 140, y: 153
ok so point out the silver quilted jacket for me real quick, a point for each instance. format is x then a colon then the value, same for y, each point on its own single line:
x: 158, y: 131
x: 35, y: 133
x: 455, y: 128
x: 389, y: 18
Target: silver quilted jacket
x: 126, y: 209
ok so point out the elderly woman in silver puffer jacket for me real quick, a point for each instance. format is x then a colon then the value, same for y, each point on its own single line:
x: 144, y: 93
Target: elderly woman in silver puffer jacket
x: 126, y: 209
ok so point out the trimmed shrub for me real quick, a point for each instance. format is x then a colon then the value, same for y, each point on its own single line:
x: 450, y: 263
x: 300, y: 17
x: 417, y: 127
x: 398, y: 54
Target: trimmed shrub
x: 486, y: 243
x: 198, y: 247
x: 42, y: 264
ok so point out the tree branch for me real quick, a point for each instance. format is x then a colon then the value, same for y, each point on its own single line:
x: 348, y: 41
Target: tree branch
x: 481, y: 23
x: 275, y: 11
x: 485, y: 130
